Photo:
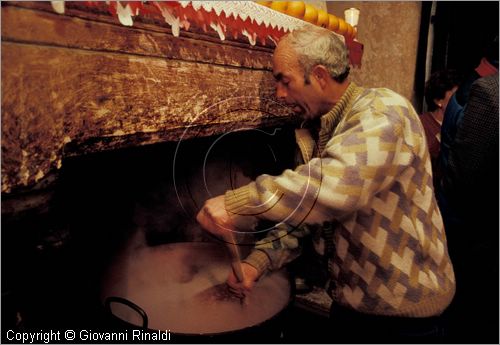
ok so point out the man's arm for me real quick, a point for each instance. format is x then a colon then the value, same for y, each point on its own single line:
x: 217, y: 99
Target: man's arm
x: 280, y: 246
x: 358, y: 163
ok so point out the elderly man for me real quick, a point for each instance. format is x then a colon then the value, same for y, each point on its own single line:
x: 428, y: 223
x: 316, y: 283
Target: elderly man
x: 365, y: 186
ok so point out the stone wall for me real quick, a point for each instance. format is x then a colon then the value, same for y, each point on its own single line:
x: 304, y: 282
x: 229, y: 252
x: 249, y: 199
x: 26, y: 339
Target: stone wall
x: 389, y: 32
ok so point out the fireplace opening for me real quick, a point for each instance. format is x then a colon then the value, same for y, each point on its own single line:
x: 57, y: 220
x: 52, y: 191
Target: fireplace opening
x: 54, y: 261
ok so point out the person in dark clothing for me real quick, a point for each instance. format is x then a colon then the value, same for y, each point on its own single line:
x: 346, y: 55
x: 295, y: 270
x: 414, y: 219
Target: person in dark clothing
x: 452, y: 119
x: 470, y: 189
x: 454, y: 112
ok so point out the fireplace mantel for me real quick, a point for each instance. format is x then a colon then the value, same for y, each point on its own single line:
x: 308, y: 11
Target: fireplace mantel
x: 80, y: 83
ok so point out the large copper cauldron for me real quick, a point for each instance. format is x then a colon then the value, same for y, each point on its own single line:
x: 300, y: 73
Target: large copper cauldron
x: 159, y: 288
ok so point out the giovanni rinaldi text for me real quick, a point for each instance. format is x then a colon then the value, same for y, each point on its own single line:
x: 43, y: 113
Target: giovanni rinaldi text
x: 46, y: 337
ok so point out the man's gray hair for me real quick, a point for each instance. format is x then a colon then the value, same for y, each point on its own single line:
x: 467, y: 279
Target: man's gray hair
x: 318, y: 46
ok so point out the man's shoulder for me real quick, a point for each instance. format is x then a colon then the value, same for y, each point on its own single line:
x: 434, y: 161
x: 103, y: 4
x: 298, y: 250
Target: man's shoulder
x: 483, y: 97
x: 380, y: 98
x: 382, y: 92
x: 489, y: 82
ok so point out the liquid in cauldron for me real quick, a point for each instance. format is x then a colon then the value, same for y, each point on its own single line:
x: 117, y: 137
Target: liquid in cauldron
x: 166, y: 280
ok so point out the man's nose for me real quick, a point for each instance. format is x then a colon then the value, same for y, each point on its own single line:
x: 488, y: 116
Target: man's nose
x: 280, y: 93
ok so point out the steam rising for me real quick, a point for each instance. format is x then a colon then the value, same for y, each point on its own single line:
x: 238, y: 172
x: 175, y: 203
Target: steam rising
x: 169, y: 260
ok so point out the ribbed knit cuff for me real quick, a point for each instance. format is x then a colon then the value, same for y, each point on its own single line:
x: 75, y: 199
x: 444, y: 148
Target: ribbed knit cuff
x: 237, y: 200
x: 259, y: 260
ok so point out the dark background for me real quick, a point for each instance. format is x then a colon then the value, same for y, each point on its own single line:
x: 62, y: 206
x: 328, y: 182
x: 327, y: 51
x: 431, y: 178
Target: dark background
x: 463, y: 31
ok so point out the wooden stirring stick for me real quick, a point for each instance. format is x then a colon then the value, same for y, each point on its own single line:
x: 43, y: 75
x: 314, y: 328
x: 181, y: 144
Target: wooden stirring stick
x: 221, y: 292
x: 235, y: 259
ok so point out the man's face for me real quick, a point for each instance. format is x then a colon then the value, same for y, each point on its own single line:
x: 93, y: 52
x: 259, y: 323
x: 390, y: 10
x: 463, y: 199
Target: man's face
x: 291, y: 86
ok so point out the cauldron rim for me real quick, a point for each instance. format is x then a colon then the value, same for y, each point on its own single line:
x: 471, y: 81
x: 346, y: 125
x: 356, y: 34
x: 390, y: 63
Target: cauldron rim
x: 127, y: 325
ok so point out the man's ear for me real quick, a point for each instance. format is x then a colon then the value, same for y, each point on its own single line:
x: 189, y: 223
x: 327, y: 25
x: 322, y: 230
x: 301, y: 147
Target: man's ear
x: 321, y: 74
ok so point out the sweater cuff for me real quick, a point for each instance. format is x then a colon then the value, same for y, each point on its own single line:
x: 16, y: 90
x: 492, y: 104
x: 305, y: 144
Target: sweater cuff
x: 259, y: 260
x: 237, y: 200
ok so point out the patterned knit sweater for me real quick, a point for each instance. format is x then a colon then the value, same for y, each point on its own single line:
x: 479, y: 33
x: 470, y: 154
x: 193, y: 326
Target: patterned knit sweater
x: 368, y: 179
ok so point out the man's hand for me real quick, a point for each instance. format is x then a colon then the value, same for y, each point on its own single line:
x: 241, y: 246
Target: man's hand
x: 240, y: 289
x: 214, y: 218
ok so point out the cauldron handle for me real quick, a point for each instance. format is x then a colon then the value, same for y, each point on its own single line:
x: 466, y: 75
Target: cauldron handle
x: 129, y: 304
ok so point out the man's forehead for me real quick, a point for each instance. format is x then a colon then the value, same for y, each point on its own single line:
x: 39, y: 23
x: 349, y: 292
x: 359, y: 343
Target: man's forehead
x: 284, y: 60
x: 283, y: 50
